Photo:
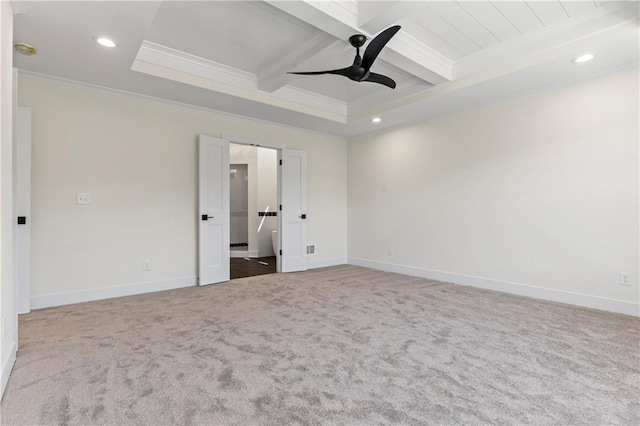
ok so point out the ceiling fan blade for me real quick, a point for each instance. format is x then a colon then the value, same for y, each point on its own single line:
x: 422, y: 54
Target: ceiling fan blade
x: 381, y: 79
x: 341, y: 71
x: 376, y: 45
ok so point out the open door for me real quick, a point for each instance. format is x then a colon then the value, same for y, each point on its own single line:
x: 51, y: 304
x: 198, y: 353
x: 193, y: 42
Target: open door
x: 293, y: 214
x: 213, y: 215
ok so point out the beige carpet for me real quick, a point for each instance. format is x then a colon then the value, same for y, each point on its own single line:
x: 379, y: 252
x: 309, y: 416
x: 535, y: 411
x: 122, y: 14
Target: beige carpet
x: 342, y: 345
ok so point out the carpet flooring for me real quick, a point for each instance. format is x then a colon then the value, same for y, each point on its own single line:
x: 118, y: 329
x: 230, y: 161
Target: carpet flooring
x: 334, y: 346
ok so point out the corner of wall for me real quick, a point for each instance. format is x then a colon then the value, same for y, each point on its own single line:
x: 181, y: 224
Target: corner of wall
x: 536, y: 195
x: 519, y: 289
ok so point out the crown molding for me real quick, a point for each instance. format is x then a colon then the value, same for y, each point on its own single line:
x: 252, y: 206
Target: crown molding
x: 132, y: 95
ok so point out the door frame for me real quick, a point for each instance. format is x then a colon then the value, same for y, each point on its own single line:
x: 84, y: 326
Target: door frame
x: 241, y: 140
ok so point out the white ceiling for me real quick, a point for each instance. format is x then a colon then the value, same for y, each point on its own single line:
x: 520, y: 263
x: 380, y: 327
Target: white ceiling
x: 233, y: 56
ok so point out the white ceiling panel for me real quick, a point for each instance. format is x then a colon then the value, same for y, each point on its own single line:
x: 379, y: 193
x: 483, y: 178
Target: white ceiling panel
x: 520, y: 15
x: 599, y: 3
x: 242, y: 35
x: 64, y: 34
x: 443, y: 30
x: 491, y: 18
x: 549, y: 12
x: 575, y: 8
x: 414, y: 27
x: 465, y: 22
x: 350, y: 6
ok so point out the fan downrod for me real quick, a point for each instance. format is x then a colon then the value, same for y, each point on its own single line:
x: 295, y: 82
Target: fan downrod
x: 357, y: 40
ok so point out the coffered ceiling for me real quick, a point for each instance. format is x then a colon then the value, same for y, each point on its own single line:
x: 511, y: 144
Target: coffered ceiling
x: 233, y: 56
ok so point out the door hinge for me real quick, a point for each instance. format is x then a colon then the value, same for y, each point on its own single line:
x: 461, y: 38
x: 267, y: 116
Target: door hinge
x: 280, y: 207
x: 280, y: 252
x: 281, y: 162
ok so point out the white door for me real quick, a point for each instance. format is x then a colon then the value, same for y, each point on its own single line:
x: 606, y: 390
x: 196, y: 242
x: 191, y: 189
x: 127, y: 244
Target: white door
x: 23, y: 209
x: 213, y: 215
x: 293, y: 214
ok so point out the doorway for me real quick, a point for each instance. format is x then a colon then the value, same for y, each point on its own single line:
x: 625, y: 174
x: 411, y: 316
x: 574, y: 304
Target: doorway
x: 253, y: 195
x: 214, y: 251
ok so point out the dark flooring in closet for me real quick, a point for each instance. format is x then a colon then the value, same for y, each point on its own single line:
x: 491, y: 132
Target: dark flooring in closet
x: 241, y: 268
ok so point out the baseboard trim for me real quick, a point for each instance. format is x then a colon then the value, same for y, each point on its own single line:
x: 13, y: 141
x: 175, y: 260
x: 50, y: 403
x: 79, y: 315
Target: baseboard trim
x: 6, y: 369
x: 584, y: 300
x: 323, y: 263
x: 245, y: 253
x: 59, y: 299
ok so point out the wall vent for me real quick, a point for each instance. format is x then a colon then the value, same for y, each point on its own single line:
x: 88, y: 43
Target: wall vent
x: 311, y: 249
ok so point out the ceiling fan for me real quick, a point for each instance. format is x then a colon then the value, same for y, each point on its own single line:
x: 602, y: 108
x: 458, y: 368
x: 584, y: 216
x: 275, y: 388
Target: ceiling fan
x: 360, y: 70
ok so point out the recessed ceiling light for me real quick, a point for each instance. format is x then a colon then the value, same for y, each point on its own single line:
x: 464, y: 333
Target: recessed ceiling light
x: 376, y: 119
x: 583, y: 58
x: 105, y: 42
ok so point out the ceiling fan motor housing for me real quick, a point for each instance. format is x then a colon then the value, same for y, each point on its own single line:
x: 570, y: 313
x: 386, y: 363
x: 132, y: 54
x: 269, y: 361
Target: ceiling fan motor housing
x: 357, y: 40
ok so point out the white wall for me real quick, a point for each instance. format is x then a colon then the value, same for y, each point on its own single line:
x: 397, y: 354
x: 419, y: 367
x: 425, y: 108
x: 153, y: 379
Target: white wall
x: 7, y: 302
x: 138, y: 160
x: 535, y: 195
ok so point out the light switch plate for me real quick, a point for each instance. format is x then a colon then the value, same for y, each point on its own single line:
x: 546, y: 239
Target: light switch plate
x: 83, y: 198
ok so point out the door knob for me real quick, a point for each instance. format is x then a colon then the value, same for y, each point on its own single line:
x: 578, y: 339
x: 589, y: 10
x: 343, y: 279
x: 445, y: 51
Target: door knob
x: 205, y: 217
x: 303, y: 216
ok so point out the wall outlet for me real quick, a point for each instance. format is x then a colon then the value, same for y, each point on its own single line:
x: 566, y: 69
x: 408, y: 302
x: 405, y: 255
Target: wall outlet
x: 83, y: 198
x: 311, y: 249
x: 625, y: 278
x: 390, y: 251
x: 146, y: 265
